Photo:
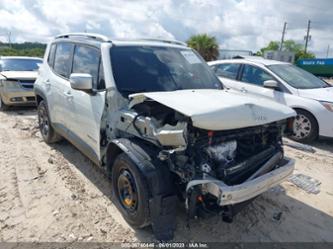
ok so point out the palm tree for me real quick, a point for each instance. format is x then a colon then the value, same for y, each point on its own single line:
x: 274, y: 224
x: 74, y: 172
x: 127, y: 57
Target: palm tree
x: 206, y: 46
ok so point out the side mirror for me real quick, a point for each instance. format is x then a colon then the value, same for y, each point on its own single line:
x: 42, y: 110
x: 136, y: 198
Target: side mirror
x: 81, y: 81
x: 271, y: 84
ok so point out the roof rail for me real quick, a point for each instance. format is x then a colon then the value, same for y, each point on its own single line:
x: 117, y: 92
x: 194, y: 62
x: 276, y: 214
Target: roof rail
x: 94, y: 36
x: 164, y: 40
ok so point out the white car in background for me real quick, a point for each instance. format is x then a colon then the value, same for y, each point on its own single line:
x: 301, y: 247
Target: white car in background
x: 311, y: 97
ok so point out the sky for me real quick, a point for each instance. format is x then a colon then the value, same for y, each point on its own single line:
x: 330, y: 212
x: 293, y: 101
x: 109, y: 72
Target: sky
x: 236, y: 24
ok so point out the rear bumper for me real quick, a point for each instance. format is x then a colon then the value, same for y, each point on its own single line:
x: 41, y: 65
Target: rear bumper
x: 228, y: 195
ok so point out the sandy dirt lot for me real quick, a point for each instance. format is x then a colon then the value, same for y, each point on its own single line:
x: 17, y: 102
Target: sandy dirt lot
x: 330, y: 81
x: 53, y: 193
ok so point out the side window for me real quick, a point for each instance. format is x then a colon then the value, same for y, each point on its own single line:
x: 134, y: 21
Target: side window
x: 255, y: 75
x: 50, y: 59
x: 63, y: 62
x: 86, y: 60
x: 227, y: 70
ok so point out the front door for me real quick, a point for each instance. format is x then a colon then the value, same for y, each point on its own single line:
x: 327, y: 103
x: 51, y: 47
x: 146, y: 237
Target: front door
x: 252, y: 81
x: 88, y: 107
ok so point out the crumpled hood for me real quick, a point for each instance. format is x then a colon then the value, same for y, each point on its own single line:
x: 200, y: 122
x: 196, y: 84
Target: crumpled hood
x: 20, y: 74
x: 321, y: 94
x: 219, y: 109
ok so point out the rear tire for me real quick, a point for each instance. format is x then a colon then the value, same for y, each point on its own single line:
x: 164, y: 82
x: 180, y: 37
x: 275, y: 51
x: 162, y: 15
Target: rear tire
x: 130, y: 192
x: 45, y: 126
x: 305, y: 128
x: 3, y: 106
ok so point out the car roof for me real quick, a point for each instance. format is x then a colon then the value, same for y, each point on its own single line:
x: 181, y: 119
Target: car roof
x: 252, y: 59
x: 21, y: 57
x: 97, y: 40
x: 140, y: 42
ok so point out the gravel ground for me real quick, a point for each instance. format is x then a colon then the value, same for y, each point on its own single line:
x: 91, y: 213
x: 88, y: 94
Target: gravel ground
x: 54, y: 193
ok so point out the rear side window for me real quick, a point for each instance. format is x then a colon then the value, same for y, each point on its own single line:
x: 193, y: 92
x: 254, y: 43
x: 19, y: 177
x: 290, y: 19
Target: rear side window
x: 63, y: 59
x: 255, y: 75
x: 50, y: 59
x: 86, y: 60
x: 227, y: 70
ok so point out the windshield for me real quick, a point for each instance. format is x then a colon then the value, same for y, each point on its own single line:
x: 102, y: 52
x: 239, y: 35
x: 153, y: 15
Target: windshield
x: 149, y: 68
x: 19, y: 64
x: 297, y: 77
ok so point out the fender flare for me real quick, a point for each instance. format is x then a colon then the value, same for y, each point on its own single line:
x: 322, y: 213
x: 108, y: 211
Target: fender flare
x: 41, y: 96
x: 39, y: 93
x: 153, y: 170
x: 162, y: 198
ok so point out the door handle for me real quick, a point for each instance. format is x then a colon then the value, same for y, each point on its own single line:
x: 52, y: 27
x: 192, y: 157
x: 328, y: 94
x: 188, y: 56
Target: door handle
x: 47, y: 83
x: 243, y: 90
x: 68, y: 95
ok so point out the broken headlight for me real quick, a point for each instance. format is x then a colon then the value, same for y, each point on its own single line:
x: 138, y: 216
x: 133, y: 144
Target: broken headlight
x: 10, y: 84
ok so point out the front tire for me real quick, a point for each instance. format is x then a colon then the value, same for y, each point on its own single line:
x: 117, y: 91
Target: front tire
x: 305, y: 127
x: 45, y: 126
x: 130, y: 192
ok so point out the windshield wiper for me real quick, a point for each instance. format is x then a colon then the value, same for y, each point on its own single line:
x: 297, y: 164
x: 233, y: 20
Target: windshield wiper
x: 130, y: 90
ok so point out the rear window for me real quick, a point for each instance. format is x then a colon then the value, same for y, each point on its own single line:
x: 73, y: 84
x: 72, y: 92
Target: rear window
x: 229, y: 70
x: 63, y: 62
x: 50, y: 59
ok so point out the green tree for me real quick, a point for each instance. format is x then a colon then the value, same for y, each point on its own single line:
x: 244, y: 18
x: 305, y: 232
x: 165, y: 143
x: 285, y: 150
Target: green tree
x: 22, y: 49
x: 206, y: 46
x: 298, y: 49
x: 272, y: 45
x: 292, y: 46
x: 302, y: 55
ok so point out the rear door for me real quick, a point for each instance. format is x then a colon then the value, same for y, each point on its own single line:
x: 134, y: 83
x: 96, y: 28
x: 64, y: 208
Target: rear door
x: 47, y: 82
x: 59, y: 80
x: 88, y: 107
x: 228, y: 73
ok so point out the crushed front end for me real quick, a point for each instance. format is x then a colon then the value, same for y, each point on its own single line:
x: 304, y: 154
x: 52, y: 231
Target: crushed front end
x: 214, y: 171
x: 233, y: 167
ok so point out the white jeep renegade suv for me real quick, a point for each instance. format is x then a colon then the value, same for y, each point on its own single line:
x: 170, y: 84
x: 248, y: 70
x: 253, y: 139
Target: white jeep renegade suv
x: 156, y: 118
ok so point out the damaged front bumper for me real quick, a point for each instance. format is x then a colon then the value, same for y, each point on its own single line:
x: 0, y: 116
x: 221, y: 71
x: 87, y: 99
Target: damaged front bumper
x: 229, y: 195
x: 12, y: 93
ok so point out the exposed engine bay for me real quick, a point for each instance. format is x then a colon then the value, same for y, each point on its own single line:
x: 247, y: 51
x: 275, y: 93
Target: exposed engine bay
x: 199, y: 158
